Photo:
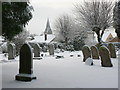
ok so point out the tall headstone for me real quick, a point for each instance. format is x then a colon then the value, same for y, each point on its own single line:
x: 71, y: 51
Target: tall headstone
x: 51, y: 49
x: 86, y: 52
x: 111, y: 48
x: 37, y: 50
x: 11, y: 51
x: 25, y: 64
x: 94, y: 52
x: 105, y: 56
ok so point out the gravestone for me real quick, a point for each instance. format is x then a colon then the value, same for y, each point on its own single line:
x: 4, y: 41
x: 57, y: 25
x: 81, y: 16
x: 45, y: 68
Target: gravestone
x: 94, y: 52
x: 59, y: 56
x: 105, y: 56
x: 86, y: 52
x: 89, y: 61
x: 37, y: 50
x: 78, y: 55
x: 25, y: 64
x: 11, y: 51
x: 51, y: 49
x: 44, y: 48
x: 0, y: 50
x: 111, y: 48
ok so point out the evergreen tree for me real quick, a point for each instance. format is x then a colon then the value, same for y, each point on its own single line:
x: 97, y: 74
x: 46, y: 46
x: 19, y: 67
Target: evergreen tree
x: 15, y: 16
x: 116, y: 18
x: 79, y: 41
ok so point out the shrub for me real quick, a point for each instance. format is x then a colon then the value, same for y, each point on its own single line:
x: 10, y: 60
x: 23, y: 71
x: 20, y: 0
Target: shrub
x: 19, y: 40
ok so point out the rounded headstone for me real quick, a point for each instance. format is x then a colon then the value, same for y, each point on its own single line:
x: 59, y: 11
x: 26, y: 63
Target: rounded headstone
x: 37, y: 50
x: 111, y: 48
x: 94, y: 52
x: 51, y: 49
x: 25, y: 64
x: 11, y: 51
x: 86, y: 52
x: 105, y: 56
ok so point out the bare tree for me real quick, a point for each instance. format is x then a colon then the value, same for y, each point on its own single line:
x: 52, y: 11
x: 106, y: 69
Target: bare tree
x: 63, y: 26
x: 95, y: 15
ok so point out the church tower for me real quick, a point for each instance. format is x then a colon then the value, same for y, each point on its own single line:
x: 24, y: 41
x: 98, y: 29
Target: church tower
x: 48, y: 28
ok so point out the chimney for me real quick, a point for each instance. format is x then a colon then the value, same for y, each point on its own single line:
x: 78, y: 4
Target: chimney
x: 45, y: 36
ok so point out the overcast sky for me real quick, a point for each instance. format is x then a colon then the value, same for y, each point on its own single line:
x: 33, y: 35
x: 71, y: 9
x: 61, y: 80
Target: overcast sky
x: 51, y: 9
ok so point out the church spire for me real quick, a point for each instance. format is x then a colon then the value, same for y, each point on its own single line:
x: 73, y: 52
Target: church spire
x: 48, y: 28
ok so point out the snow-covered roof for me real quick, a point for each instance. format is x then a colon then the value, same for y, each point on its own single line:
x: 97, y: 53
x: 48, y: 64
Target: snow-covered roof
x: 107, y: 32
x: 41, y: 39
x: 105, y: 36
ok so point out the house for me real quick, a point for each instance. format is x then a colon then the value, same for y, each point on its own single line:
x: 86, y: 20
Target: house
x: 116, y: 39
x: 109, y: 34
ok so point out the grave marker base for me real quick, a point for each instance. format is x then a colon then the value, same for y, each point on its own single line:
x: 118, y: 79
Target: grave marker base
x: 24, y: 77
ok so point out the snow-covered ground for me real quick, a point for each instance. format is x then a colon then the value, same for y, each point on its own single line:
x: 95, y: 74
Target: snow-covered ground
x: 67, y: 72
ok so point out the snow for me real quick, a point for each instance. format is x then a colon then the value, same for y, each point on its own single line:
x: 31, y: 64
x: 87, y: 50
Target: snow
x: 41, y: 39
x: 67, y: 72
x: 89, y: 61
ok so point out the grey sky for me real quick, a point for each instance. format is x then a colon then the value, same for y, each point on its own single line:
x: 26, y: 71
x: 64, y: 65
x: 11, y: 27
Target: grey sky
x: 48, y: 9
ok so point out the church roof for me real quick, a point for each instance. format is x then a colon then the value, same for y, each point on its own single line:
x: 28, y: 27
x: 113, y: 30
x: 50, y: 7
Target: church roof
x: 41, y: 39
x: 48, y: 28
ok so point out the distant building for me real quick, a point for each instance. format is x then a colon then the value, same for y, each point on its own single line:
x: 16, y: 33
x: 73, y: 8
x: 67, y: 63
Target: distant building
x: 116, y: 39
x: 46, y: 37
x: 48, y: 29
x: 109, y: 34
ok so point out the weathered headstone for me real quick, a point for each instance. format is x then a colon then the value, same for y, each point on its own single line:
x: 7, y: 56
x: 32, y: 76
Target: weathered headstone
x: 0, y: 50
x: 111, y: 48
x: 94, y: 52
x: 105, y: 56
x: 37, y: 50
x: 86, y: 52
x: 44, y: 48
x: 25, y: 64
x: 11, y: 51
x: 51, y: 49
x: 89, y: 61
